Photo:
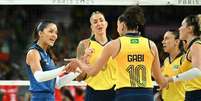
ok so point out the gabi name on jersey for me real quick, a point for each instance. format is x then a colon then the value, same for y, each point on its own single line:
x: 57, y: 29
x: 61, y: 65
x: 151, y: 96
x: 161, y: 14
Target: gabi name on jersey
x: 135, y: 58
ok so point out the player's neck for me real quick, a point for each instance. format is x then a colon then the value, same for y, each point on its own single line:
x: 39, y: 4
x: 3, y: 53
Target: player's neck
x: 173, y: 54
x: 101, y: 39
x: 132, y: 31
x: 42, y: 45
x: 190, y: 39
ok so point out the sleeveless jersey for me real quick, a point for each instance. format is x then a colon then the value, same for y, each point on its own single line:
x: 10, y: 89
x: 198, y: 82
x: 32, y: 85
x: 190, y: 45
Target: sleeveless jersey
x: 134, y: 62
x: 46, y: 64
x: 105, y: 79
x: 194, y: 84
x: 174, y: 91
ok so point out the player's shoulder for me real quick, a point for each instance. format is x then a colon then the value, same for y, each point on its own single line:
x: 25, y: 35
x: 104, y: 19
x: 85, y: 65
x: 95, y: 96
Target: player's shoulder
x: 84, y: 41
x: 32, y: 52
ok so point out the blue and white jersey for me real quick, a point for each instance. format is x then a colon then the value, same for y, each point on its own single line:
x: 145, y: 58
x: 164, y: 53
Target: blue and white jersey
x: 46, y: 65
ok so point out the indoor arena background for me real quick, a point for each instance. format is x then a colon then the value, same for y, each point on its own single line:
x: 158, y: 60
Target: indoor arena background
x: 17, y: 22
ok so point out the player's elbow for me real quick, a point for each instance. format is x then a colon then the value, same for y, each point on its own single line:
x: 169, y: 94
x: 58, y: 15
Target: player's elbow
x: 39, y: 80
x: 38, y: 77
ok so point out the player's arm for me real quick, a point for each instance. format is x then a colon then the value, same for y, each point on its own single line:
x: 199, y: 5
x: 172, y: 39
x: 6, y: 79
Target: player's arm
x: 33, y: 60
x: 108, y: 51
x: 162, y: 68
x: 156, y: 70
x: 80, y: 52
x: 81, y: 48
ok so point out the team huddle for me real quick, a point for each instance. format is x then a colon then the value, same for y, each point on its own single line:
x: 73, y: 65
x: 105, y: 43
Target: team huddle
x: 120, y: 69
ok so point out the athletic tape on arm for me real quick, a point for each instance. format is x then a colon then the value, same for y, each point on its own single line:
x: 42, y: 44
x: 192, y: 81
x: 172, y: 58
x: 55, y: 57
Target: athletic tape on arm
x: 42, y: 76
x: 61, y: 81
x: 188, y: 75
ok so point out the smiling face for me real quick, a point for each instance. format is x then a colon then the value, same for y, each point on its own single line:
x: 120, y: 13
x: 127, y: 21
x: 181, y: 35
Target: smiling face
x: 98, y: 24
x: 170, y: 42
x: 49, y: 34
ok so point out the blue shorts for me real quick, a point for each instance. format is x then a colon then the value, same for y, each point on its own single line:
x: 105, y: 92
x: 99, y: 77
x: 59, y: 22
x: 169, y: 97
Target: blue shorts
x: 193, y: 95
x: 42, y: 97
x: 99, y: 95
x: 137, y: 94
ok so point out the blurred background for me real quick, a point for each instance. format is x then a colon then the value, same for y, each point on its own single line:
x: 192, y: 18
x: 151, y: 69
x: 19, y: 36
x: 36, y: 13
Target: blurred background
x: 17, y: 23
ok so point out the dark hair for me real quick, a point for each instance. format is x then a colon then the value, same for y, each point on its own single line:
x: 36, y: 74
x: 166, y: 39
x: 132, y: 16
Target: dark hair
x: 133, y: 17
x: 176, y: 34
x: 40, y: 27
x: 193, y: 20
x: 94, y: 13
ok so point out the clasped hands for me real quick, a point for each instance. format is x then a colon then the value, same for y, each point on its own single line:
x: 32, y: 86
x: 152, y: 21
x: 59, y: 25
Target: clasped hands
x: 75, y: 64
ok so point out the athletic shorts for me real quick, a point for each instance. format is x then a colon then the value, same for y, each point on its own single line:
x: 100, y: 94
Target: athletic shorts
x: 42, y: 97
x: 134, y: 94
x: 99, y: 95
x: 193, y: 95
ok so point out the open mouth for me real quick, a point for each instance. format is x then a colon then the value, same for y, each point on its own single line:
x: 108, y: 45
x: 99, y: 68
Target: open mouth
x: 100, y: 28
x: 164, y: 46
x: 52, y: 40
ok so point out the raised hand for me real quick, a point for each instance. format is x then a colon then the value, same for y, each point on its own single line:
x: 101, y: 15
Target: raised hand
x: 72, y: 66
x: 81, y: 77
x: 88, y: 53
x: 78, y: 63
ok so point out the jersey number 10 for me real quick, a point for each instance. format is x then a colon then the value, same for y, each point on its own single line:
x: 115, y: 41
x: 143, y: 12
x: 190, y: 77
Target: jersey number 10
x: 137, y: 75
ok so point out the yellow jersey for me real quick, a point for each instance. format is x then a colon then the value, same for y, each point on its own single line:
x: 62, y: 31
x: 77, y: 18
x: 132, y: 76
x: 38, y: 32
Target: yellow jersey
x: 134, y: 62
x: 174, y: 91
x: 105, y: 79
x: 194, y: 84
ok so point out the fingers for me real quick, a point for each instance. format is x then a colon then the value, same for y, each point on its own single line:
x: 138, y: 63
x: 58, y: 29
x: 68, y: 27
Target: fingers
x: 88, y: 52
x: 85, y: 59
x: 170, y: 79
x: 165, y: 83
x: 78, y: 70
x: 81, y: 77
x: 71, y: 67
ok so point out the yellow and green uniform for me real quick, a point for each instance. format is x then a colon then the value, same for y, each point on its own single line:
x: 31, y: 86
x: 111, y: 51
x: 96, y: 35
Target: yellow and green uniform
x: 174, y: 91
x: 105, y: 79
x: 194, y: 84
x: 134, y: 62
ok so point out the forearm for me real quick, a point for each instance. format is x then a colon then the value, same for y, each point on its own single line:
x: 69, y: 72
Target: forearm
x: 42, y: 76
x: 91, y: 71
x: 159, y: 79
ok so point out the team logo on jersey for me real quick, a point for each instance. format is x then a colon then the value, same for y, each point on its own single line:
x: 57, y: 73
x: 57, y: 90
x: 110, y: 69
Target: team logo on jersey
x: 46, y: 62
x: 134, y: 41
x: 175, y: 67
